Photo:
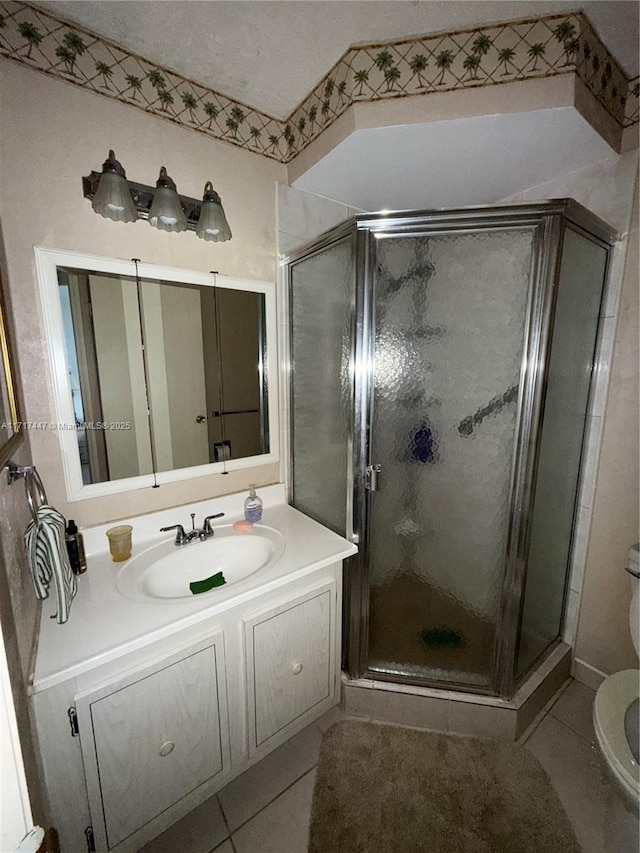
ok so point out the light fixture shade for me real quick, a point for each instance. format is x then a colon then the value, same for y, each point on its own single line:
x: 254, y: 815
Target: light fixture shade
x: 166, y: 211
x: 212, y: 224
x: 113, y: 197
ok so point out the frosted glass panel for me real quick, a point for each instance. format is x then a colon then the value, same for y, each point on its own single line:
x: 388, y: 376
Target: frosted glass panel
x: 321, y: 293
x: 570, y: 366
x: 449, y: 332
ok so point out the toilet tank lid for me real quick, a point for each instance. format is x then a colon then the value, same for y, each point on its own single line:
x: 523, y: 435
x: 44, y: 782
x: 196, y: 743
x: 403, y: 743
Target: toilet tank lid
x: 634, y: 558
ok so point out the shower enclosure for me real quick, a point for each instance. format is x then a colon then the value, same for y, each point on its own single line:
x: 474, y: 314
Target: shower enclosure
x: 441, y: 366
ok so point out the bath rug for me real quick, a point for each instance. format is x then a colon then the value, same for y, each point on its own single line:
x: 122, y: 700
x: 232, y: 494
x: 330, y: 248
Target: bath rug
x: 385, y: 789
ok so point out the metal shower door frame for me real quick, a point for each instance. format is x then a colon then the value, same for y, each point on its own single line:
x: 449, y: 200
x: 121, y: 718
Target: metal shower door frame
x: 333, y: 237
x: 545, y: 221
x: 558, y: 217
x: 424, y: 225
x: 352, y: 576
x: 578, y: 219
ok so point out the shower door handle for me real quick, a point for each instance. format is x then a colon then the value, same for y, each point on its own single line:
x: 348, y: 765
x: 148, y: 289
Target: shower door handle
x: 372, y: 478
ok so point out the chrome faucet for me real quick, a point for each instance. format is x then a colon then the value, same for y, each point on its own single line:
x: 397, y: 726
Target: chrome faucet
x: 205, y: 532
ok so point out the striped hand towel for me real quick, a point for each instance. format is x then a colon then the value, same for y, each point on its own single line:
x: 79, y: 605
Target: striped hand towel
x: 47, y: 558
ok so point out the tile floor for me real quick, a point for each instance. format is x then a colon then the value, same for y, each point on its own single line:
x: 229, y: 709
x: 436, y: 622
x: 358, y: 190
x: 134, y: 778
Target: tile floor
x: 266, y: 810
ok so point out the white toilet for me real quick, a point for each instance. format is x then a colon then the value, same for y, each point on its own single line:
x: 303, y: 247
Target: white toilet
x: 615, y: 709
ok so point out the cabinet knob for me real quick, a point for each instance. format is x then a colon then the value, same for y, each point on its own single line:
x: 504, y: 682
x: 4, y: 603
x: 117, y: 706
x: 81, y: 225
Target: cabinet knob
x: 296, y: 667
x: 167, y: 748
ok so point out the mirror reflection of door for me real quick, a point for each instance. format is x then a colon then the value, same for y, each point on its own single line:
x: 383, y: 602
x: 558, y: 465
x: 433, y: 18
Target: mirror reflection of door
x: 163, y: 375
x: 173, y: 334
x: 233, y: 362
x: 106, y: 372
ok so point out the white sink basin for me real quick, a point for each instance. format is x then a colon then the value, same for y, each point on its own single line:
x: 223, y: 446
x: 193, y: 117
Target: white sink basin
x: 166, y: 572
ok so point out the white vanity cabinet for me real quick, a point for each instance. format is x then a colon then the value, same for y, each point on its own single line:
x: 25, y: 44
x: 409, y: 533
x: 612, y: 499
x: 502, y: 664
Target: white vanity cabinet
x: 130, y: 746
x: 151, y: 739
x: 290, y: 664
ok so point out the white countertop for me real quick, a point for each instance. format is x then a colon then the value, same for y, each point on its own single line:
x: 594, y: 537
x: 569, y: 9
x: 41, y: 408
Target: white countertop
x: 103, y: 625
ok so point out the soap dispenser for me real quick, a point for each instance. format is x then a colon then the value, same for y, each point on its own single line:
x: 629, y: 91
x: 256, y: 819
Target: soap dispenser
x: 253, y: 505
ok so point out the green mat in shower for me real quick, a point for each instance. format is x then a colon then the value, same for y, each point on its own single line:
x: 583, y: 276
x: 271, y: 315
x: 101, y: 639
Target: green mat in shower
x: 442, y: 638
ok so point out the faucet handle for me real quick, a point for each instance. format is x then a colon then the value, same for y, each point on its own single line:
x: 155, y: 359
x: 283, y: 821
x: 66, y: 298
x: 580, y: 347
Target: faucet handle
x: 208, y: 530
x: 181, y: 536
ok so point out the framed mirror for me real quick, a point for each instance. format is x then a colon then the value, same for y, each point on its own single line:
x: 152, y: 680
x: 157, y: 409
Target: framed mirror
x: 160, y: 374
x: 11, y: 427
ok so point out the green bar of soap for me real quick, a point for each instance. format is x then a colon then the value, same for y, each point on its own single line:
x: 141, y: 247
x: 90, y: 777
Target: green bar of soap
x: 208, y: 583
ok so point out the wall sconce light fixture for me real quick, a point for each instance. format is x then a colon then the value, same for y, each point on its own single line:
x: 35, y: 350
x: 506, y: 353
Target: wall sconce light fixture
x: 112, y: 198
x: 166, y: 212
x: 212, y: 224
x: 117, y: 198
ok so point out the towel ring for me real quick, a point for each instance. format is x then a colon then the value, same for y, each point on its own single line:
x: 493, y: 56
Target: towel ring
x: 36, y: 495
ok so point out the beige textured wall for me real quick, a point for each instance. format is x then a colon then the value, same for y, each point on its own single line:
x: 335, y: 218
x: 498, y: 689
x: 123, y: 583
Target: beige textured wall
x: 53, y: 133
x: 19, y: 611
x: 603, y: 639
x: 19, y: 608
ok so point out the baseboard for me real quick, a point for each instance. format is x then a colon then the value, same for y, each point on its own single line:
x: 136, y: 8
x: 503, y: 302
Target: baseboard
x: 587, y: 674
x: 33, y: 652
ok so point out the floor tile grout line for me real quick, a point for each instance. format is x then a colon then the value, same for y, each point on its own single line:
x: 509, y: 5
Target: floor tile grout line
x: 565, y: 687
x: 271, y: 802
x: 550, y: 710
x: 532, y: 728
x: 226, y: 823
x: 224, y: 841
x: 571, y: 728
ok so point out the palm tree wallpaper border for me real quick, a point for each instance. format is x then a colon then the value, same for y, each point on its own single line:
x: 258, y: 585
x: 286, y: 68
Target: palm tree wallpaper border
x: 466, y: 59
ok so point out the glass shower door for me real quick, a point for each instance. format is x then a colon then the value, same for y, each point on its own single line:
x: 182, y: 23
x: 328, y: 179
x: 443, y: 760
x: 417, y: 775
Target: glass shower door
x: 574, y: 331
x: 321, y: 293
x: 448, y: 331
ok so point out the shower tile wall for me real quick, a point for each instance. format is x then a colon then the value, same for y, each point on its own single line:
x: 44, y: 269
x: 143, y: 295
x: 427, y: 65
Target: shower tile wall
x: 591, y: 458
x: 302, y: 216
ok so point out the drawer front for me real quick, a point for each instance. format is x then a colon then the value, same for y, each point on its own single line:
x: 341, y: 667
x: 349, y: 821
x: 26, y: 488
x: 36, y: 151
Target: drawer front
x: 155, y: 741
x: 292, y: 663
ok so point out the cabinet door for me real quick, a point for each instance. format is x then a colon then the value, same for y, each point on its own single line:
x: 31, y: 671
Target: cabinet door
x: 151, y: 742
x: 291, y: 663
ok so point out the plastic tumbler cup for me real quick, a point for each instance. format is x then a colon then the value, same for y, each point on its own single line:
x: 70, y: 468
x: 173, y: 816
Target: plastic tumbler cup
x: 120, y: 542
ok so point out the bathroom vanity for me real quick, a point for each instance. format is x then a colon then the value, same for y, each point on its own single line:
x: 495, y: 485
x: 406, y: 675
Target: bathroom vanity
x: 145, y: 708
